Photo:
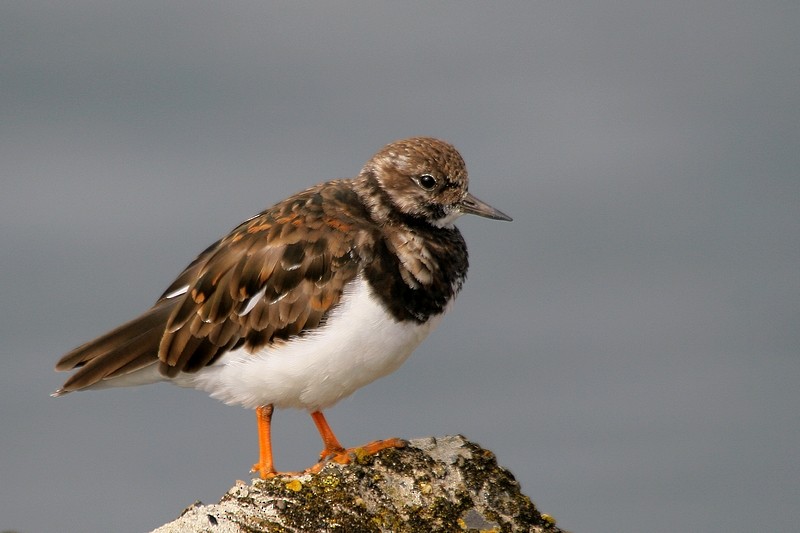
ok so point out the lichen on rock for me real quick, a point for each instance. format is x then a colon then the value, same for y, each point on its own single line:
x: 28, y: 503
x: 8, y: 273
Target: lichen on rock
x: 433, y: 484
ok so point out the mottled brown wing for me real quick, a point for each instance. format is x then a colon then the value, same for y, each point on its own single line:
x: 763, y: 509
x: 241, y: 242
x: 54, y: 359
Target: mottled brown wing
x: 273, y: 277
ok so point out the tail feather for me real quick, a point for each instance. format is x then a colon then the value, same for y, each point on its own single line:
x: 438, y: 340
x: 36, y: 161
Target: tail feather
x: 141, y: 361
x: 154, y: 319
x: 128, y: 348
x: 101, y: 367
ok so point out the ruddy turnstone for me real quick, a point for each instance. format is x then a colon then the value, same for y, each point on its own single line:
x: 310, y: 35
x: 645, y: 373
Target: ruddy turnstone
x: 309, y: 300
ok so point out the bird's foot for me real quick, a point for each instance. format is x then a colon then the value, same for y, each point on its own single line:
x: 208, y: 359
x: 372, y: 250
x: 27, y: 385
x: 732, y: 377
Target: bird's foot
x: 346, y: 456
x: 263, y: 471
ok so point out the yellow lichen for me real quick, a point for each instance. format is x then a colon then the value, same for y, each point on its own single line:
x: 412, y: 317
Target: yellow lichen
x: 329, y: 482
x: 549, y: 519
x: 295, y: 485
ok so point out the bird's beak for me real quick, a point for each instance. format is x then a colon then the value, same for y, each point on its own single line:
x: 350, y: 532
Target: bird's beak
x: 471, y: 205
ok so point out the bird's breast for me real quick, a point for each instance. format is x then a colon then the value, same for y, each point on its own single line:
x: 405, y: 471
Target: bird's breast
x: 359, y: 342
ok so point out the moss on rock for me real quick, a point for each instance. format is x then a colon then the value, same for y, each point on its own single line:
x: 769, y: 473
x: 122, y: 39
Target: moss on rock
x: 433, y: 484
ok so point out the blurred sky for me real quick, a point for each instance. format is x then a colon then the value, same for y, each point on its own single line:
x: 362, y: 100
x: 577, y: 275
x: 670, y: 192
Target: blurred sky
x: 629, y: 346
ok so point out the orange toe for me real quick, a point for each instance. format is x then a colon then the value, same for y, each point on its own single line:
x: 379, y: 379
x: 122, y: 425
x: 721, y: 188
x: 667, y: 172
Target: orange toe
x: 269, y: 474
x: 378, y: 445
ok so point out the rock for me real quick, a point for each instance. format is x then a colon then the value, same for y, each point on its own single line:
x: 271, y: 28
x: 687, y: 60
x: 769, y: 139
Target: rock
x: 433, y: 484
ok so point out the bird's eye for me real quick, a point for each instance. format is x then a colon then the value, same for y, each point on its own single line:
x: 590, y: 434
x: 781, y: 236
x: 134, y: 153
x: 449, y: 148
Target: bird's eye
x: 427, y: 182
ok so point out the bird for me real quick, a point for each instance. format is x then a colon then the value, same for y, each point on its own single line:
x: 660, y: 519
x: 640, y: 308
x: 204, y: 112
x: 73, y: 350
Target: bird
x: 306, y: 302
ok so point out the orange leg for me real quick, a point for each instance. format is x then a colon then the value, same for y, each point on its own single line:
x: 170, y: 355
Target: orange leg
x: 331, y: 446
x: 264, y: 466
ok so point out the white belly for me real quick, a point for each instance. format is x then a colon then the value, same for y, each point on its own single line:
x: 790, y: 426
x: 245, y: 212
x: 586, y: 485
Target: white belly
x: 359, y: 343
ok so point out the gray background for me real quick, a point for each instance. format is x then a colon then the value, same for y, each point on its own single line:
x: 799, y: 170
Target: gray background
x: 628, y: 346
